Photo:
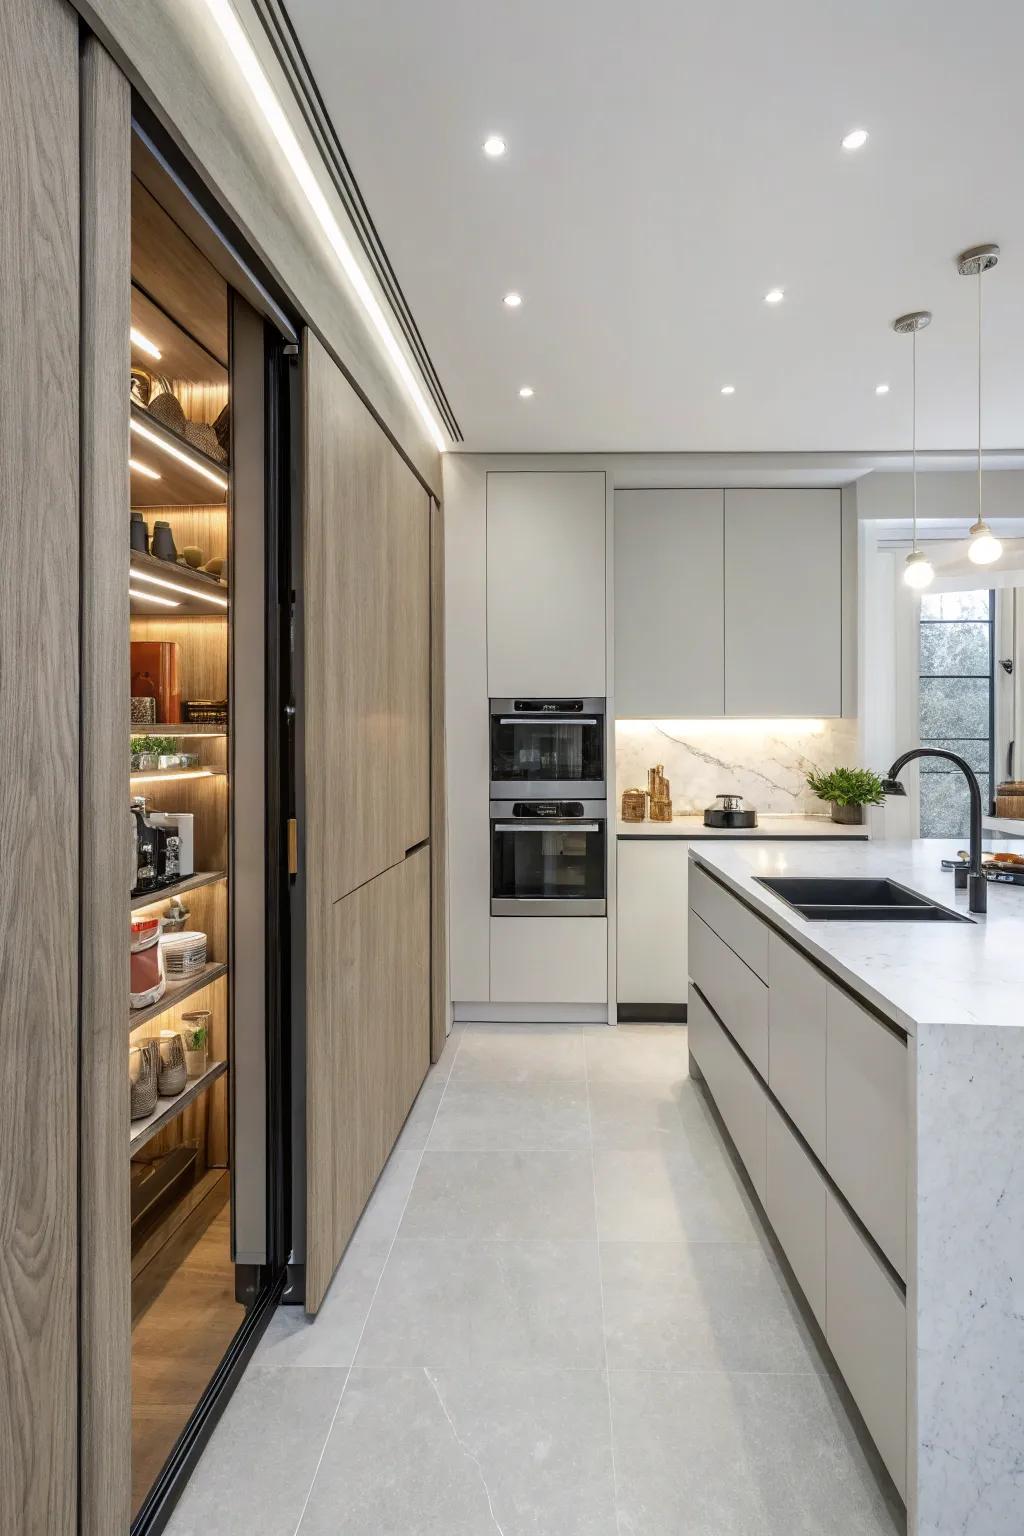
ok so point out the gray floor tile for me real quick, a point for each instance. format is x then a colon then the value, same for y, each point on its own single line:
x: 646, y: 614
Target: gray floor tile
x: 256, y: 1471
x: 447, y: 1453
x: 501, y: 1116
x: 456, y: 1304
x: 502, y: 1195
x: 637, y: 1053
x: 521, y: 1052
x: 441, y: 1068
x: 700, y: 1306
x: 711, y: 1454
x: 414, y: 1133
x: 631, y: 1116
x: 670, y: 1196
x: 383, y: 1213
x: 293, y: 1339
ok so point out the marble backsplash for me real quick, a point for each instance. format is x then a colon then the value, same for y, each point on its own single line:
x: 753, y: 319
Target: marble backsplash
x: 765, y: 761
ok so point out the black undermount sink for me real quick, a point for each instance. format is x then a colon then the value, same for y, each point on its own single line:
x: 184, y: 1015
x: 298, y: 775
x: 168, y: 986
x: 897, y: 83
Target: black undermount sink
x: 856, y: 900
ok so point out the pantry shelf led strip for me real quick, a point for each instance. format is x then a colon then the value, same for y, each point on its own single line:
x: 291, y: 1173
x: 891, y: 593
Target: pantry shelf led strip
x: 252, y: 72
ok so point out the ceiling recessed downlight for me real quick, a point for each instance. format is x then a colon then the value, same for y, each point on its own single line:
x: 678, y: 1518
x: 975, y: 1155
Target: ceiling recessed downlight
x: 856, y: 139
x: 512, y: 300
x: 494, y: 146
x: 526, y: 393
x: 881, y: 389
x: 728, y: 389
x: 774, y: 296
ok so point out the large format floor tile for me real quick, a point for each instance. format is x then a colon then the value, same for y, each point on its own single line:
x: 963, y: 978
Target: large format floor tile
x: 331, y: 1337
x: 520, y: 1052
x: 637, y: 1053
x: 670, y: 1196
x: 460, y: 1304
x: 449, y: 1453
x: 700, y: 1306
x: 481, y: 1115
x: 386, y: 1206
x: 502, y: 1195
x: 711, y: 1454
x: 259, y: 1465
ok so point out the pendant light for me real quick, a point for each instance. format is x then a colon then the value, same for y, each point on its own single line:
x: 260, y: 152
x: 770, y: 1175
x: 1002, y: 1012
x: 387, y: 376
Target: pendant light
x: 918, y: 571
x: 983, y: 546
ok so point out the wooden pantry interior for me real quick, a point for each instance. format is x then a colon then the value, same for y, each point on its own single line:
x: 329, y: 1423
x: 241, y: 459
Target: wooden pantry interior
x: 221, y: 691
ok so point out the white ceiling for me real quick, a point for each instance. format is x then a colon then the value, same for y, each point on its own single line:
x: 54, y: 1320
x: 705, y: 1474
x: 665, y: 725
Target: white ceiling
x: 670, y: 161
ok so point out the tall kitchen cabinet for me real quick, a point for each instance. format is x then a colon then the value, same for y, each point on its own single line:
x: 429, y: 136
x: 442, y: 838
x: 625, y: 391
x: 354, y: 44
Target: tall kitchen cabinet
x: 729, y: 603
x: 546, y: 583
x: 367, y: 840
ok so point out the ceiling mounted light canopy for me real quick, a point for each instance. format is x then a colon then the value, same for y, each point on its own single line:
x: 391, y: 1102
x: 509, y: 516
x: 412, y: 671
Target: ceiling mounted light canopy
x: 774, y: 296
x: 983, y: 547
x: 728, y: 389
x: 856, y: 139
x: 918, y: 571
x: 512, y: 300
x: 881, y: 389
x: 526, y: 393
x: 494, y: 146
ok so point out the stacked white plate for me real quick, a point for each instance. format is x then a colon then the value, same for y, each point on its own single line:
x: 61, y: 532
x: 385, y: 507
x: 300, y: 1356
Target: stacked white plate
x: 184, y: 954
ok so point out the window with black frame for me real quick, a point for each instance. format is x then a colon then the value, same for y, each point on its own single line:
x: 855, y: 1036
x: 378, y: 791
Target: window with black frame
x: 956, y: 704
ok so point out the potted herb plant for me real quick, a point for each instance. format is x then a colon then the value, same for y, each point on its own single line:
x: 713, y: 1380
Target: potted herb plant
x: 849, y: 790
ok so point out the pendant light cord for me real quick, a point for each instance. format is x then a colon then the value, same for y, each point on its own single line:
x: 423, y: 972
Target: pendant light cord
x: 913, y: 426
x: 981, y: 273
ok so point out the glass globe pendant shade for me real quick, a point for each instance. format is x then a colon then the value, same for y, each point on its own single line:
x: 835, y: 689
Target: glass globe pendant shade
x: 918, y: 571
x: 984, y: 547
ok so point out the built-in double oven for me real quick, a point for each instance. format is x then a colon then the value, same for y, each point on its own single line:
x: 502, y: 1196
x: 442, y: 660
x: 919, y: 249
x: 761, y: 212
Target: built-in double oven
x: 548, y: 808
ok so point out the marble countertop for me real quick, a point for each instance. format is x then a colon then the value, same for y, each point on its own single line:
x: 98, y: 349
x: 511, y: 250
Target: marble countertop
x: 767, y: 826
x: 915, y: 973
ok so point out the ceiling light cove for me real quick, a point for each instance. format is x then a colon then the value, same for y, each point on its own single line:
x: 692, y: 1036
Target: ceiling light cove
x: 494, y: 146
x: 774, y: 296
x: 881, y: 389
x: 512, y: 300
x: 856, y: 138
x: 526, y: 393
x: 728, y: 389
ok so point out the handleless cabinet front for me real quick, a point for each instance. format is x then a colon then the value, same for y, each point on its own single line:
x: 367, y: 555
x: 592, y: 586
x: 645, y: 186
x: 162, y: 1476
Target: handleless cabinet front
x: 546, y: 583
x: 741, y: 1100
x: 651, y: 920
x: 738, y: 996
x: 797, y: 1038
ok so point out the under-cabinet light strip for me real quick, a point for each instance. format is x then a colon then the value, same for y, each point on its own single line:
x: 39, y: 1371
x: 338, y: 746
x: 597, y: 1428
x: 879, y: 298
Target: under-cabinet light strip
x: 168, y: 774
x: 176, y: 453
x: 252, y: 71
x: 144, y: 344
x: 143, y: 469
x: 174, y: 586
x: 151, y: 597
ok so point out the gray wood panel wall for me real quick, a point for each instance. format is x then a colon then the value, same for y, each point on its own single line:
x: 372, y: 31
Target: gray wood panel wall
x: 39, y: 817
x: 367, y: 639
x: 105, y: 1285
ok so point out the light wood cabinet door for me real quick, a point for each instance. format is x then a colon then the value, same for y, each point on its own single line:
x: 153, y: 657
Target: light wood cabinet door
x: 669, y: 605
x: 39, y: 792
x: 367, y: 636
x: 651, y: 919
x: 783, y: 603
x: 546, y: 583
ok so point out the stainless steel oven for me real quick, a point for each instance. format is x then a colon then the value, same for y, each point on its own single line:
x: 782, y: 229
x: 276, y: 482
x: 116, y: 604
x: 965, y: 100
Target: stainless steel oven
x: 547, y: 749
x: 548, y: 858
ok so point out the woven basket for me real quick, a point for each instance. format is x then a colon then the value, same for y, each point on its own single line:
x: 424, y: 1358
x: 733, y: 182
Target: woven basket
x: 1010, y: 799
x: 634, y: 804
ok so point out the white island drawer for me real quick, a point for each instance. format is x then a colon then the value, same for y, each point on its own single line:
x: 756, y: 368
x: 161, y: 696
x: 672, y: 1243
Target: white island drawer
x: 742, y: 1102
x: 796, y: 1210
x: 866, y: 1329
x: 866, y: 1116
x: 744, y: 933
x: 738, y: 996
x: 797, y: 1035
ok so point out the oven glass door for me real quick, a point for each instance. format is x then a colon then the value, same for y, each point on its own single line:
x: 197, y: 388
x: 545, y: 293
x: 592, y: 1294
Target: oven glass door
x: 548, y: 749
x: 552, y: 868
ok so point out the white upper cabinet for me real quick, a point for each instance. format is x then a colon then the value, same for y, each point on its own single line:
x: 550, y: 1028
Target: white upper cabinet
x: 669, y: 637
x: 546, y: 583
x: 783, y: 603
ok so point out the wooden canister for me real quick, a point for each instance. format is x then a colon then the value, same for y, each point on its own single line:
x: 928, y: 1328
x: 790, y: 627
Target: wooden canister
x: 1010, y: 799
x: 634, y: 804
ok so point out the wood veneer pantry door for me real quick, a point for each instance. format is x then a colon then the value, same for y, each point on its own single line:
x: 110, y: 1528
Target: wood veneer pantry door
x: 367, y: 686
x: 39, y: 789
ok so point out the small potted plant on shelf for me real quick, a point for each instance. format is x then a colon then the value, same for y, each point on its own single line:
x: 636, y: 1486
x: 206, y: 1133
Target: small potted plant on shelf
x: 849, y: 790
x: 196, y: 1034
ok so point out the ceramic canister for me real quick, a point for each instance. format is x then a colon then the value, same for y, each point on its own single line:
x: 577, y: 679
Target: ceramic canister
x: 173, y: 1071
x: 143, y: 1071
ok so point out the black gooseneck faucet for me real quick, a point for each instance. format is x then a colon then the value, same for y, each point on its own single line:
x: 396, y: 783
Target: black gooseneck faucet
x: 971, y: 877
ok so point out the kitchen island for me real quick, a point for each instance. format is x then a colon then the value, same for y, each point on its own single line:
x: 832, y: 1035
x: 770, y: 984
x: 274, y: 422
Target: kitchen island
x: 871, y: 1076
